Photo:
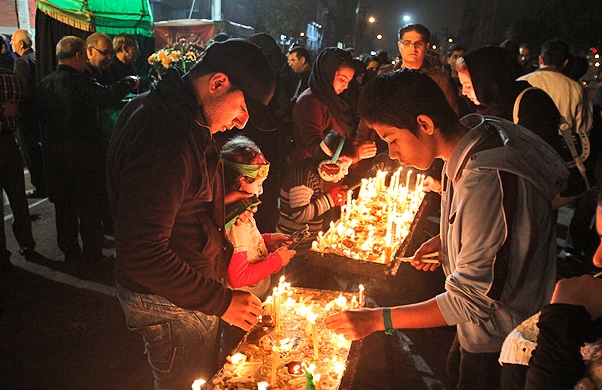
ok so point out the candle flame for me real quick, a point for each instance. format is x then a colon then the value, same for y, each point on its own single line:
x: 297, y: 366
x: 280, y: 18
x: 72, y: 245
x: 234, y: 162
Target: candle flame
x: 196, y: 385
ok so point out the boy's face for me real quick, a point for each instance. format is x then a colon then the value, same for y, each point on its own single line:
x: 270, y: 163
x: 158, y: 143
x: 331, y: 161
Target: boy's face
x: 407, y: 148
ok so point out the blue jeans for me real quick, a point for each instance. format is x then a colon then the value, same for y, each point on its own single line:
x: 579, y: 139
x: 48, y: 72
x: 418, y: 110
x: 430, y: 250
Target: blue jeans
x: 180, y: 344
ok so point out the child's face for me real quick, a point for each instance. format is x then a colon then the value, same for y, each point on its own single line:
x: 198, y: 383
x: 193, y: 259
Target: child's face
x: 252, y: 188
x: 344, y: 163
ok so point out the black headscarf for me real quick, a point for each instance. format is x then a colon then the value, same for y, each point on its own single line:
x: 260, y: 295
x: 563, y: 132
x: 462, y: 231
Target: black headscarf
x: 320, y: 82
x: 492, y: 73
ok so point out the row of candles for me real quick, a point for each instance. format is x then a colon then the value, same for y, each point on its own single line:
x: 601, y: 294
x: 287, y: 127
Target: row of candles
x: 392, y: 208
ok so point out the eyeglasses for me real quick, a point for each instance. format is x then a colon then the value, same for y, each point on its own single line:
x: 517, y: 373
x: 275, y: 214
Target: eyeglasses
x: 106, y: 53
x: 417, y: 44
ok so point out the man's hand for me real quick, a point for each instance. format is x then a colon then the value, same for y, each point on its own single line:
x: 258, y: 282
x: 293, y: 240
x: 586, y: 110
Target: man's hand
x: 243, y: 310
x: 356, y: 324
x: 583, y: 291
x: 366, y: 150
x: 432, y: 245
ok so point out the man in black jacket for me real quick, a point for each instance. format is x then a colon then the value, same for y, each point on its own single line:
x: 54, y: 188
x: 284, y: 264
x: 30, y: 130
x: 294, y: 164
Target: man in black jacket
x: 166, y: 191
x: 68, y: 101
x: 28, y: 128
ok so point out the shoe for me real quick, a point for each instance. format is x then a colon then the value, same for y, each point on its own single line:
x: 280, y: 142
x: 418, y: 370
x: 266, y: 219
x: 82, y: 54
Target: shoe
x: 35, y: 194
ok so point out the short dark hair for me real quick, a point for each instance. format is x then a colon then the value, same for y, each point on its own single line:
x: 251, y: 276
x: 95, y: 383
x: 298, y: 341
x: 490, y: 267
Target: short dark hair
x: 419, y: 28
x: 122, y: 40
x: 455, y: 47
x: 300, y: 51
x: 397, y: 98
x: 554, y: 52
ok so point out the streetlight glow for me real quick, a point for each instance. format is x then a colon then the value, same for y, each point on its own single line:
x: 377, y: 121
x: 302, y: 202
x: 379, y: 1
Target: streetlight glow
x: 406, y: 18
x: 379, y: 36
x: 371, y: 19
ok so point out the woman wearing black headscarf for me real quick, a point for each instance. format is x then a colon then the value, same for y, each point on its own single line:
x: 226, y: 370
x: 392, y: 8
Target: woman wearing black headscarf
x: 323, y: 106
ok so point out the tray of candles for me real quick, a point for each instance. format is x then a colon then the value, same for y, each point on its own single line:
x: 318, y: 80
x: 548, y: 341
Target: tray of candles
x: 291, y: 348
x: 374, y: 232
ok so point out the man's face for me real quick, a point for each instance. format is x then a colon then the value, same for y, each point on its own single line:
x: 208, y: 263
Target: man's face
x: 467, y: 87
x: 297, y: 64
x: 225, y: 110
x: 342, y: 78
x: 413, y: 49
x: 131, y: 53
x: 16, y: 43
x: 100, y: 54
x: 524, y: 55
x: 408, y: 149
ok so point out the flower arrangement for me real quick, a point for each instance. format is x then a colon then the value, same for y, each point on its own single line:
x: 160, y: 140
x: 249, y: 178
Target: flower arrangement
x: 183, y: 54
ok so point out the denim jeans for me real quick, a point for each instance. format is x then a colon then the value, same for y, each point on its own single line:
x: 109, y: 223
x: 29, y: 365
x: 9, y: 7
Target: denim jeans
x: 180, y: 344
x: 472, y: 371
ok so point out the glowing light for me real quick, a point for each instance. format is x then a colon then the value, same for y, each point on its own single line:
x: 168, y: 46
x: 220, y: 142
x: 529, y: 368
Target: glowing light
x: 379, y: 36
x: 406, y: 18
x: 371, y: 19
x: 196, y: 385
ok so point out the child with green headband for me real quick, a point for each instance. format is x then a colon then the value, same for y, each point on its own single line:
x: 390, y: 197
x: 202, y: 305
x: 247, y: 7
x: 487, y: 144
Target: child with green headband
x: 256, y: 256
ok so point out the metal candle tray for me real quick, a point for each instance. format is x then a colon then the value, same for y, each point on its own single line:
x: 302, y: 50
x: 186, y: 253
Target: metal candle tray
x: 343, y: 264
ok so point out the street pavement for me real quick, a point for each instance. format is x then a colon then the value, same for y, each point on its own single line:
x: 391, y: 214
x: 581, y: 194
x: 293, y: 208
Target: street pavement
x: 61, y: 326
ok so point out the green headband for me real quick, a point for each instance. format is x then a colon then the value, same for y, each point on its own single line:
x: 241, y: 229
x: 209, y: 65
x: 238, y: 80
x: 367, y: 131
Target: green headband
x: 253, y: 171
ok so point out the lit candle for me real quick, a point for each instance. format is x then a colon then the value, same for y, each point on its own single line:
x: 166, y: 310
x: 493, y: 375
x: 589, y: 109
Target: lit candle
x: 361, y: 298
x: 196, y: 385
x: 348, y: 208
x: 276, y: 315
x: 274, y: 375
x: 311, y: 317
x: 262, y: 386
x: 317, y: 384
x: 408, y: 179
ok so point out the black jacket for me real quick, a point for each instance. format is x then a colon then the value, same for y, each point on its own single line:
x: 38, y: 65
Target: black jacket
x: 166, y: 190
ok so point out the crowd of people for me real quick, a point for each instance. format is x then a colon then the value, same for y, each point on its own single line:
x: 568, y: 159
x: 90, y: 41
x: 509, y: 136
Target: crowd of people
x: 518, y: 141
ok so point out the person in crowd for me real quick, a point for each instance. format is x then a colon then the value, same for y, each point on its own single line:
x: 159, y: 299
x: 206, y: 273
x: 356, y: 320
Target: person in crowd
x: 572, y: 318
x: 100, y: 57
x: 414, y: 42
x: 454, y: 52
x: 497, y: 223
x: 571, y: 100
x: 576, y: 67
x: 256, y: 256
x: 166, y: 191
x: 12, y: 179
x: 126, y: 52
x: 488, y: 81
x: 303, y: 199
x: 7, y: 57
x: 525, y: 59
x: 568, y: 94
x: 28, y: 128
x: 512, y: 48
x: 323, y: 106
x: 67, y: 101
x: 300, y: 62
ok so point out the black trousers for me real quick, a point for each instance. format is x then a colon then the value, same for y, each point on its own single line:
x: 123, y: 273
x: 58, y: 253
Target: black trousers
x: 12, y: 181
x: 472, y: 371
